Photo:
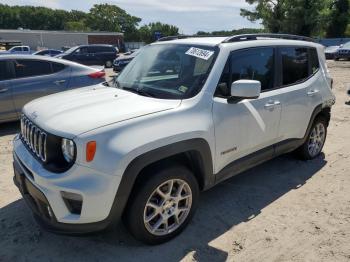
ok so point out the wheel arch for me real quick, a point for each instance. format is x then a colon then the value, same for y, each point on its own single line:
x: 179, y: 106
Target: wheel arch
x: 193, y: 153
x: 318, y: 111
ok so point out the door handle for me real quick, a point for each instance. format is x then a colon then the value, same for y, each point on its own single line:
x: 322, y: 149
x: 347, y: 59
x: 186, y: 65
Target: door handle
x: 312, y: 92
x: 271, y: 104
x: 59, y: 82
x: 3, y: 90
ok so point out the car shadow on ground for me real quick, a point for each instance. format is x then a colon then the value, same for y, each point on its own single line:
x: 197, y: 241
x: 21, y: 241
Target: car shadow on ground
x: 9, y: 128
x: 230, y: 203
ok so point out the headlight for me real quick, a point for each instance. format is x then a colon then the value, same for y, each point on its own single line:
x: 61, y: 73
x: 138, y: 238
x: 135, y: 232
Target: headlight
x: 68, y: 149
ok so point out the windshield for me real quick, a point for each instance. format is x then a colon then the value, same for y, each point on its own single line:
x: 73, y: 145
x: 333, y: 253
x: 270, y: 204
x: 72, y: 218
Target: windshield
x: 168, y: 71
x: 70, y: 50
x: 347, y: 45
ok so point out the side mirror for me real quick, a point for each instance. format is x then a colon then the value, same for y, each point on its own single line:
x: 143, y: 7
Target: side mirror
x: 245, y: 89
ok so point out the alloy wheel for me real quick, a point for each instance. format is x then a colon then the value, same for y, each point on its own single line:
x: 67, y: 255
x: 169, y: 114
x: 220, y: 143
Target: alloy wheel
x: 168, y: 207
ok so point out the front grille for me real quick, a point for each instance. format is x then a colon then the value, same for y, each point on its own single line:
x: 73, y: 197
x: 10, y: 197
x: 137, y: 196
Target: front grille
x: 34, y: 138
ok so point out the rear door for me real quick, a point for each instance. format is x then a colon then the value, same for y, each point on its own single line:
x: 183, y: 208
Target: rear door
x: 7, y: 108
x: 299, y: 91
x: 103, y: 54
x: 37, y: 78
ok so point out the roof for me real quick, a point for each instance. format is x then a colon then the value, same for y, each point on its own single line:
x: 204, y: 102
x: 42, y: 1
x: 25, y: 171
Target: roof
x: 28, y: 31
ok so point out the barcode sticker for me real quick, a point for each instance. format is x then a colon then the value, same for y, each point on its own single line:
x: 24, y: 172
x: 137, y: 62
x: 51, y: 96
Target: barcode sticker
x: 200, y: 53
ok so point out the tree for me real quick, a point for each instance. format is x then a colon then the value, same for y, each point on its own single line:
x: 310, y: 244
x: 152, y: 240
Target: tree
x: 339, y: 18
x: 303, y: 17
x: 78, y: 26
x: 147, y: 32
x: 233, y: 32
x: 105, y: 17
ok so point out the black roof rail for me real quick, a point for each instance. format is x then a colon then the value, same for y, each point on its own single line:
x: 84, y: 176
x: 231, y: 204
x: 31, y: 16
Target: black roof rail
x: 248, y: 37
x: 173, y: 37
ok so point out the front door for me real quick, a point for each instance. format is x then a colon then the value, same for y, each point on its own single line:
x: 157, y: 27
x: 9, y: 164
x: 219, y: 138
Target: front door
x: 244, y: 127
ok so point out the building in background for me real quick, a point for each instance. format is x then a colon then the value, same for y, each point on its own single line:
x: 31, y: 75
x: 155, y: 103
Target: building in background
x: 40, y: 39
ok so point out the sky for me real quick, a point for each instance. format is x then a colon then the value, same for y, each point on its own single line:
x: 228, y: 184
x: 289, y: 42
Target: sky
x: 189, y: 15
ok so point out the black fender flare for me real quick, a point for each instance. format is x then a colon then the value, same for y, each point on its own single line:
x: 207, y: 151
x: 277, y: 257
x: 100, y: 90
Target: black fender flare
x: 314, y: 114
x: 135, y: 167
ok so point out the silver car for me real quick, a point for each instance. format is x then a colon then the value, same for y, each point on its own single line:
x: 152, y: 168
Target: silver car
x: 24, y: 78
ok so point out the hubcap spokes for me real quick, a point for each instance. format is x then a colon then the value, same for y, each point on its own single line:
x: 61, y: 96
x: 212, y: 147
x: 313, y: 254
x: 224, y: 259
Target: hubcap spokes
x: 316, y: 140
x: 168, y: 207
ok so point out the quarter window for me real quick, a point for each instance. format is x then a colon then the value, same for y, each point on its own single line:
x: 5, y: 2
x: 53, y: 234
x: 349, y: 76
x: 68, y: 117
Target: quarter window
x: 295, y: 65
x: 28, y: 68
x: 314, y: 63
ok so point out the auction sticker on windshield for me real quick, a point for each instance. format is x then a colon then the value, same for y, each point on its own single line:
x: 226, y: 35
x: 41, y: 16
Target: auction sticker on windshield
x: 200, y: 53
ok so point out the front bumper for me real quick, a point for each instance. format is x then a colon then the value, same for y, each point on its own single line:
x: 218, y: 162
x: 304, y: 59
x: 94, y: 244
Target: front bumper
x: 342, y: 55
x: 42, y: 192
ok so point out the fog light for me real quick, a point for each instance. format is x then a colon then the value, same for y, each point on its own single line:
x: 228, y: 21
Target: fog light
x: 73, y: 201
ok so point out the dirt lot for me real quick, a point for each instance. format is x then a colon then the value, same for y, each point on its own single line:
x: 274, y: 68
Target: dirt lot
x: 283, y: 210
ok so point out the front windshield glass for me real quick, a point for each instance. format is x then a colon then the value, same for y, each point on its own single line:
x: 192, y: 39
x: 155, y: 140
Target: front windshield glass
x: 168, y: 71
x: 70, y: 50
x: 347, y: 45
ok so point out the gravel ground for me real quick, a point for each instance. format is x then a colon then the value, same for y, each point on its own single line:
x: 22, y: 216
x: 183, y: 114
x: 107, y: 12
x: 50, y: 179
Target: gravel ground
x: 283, y: 210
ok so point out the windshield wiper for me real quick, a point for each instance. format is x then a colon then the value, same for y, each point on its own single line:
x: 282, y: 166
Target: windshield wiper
x: 138, y: 91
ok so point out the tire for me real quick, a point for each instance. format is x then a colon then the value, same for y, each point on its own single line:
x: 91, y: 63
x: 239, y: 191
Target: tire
x: 108, y: 64
x: 316, y: 138
x: 137, y: 211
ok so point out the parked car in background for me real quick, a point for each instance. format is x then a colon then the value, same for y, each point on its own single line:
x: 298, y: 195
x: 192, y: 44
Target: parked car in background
x: 343, y: 52
x: 48, y: 52
x: 18, y: 50
x: 24, y: 78
x: 331, y: 51
x: 91, y: 54
x: 123, y: 60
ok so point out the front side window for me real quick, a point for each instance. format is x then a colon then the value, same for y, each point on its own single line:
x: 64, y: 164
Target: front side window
x: 295, y: 65
x: 81, y: 51
x: 168, y: 71
x: 17, y: 49
x: 248, y: 64
x: 29, y: 68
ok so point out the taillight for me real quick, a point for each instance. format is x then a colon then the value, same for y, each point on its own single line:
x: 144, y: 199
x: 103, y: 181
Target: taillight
x: 98, y: 74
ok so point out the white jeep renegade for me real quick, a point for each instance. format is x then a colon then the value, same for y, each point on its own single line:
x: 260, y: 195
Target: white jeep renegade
x: 184, y: 115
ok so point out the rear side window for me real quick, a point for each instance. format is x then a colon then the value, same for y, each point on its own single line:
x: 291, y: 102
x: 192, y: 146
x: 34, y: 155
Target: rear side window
x: 101, y: 49
x: 56, y: 67
x: 28, y: 68
x: 26, y: 49
x: 295, y: 64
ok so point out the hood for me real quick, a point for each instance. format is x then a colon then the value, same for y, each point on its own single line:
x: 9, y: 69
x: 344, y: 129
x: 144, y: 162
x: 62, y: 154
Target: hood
x: 71, y: 113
